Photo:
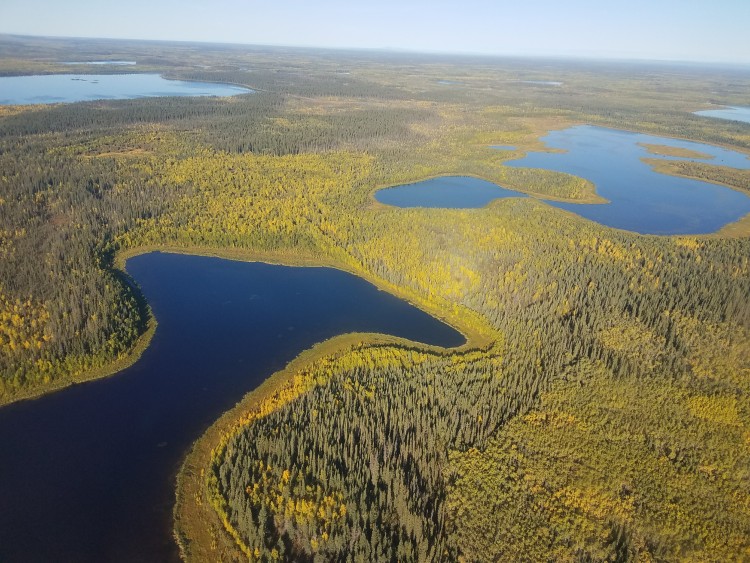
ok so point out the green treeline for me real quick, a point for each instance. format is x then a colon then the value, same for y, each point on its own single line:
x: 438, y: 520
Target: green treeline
x: 106, y: 117
x: 354, y: 468
x: 302, y: 81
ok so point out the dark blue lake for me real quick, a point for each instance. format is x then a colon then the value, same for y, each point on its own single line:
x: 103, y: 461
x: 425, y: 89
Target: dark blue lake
x: 54, y: 88
x: 641, y: 200
x: 732, y: 113
x: 87, y: 473
x: 447, y: 191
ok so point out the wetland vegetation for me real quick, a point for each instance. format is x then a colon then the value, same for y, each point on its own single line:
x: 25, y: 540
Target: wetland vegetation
x: 600, y: 410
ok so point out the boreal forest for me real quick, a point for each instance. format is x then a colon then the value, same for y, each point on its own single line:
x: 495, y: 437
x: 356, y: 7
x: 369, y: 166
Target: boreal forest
x: 600, y: 408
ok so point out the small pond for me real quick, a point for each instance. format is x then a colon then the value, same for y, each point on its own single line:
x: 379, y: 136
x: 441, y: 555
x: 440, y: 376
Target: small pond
x: 447, y: 191
x: 87, y: 473
x: 55, y: 88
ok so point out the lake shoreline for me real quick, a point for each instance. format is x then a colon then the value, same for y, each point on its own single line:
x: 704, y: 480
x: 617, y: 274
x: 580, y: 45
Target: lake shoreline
x: 480, y: 337
x: 593, y: 199
x: 676, y: 152
x: 643, y: 200
x: 195, y: 521
x: 202, y: 533
x: 250, y: 373
x: 197, y: 526
x: 111, y: 369
x: 664, y: 167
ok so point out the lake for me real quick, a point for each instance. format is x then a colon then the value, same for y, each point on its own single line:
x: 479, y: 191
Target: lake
x: 732, y: 113
x: 100, y: 63
x: 55, y: 88
x: 87, y: 473
x: 542, y: 82
x: 457, y: 192
x: 640, y: 199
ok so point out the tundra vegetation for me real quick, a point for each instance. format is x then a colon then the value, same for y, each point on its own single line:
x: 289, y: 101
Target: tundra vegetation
x: 601, y: 410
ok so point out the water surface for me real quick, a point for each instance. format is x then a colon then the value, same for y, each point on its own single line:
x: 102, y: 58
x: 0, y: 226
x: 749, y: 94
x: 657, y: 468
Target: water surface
x: 54, y: 88
x: 100, y: 63
x: 87, y: 473
x: 732, y: 113
x: 458, y: 192
x: 641, y: 200
x: 543, y: 82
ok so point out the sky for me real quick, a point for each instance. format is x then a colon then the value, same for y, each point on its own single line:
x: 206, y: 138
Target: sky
x: 688, y: 30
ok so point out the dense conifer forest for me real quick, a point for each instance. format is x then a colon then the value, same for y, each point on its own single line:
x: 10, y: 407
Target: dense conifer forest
x: 601, y: 411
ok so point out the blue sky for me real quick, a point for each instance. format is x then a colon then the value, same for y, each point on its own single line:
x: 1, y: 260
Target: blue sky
x: 695, y: 30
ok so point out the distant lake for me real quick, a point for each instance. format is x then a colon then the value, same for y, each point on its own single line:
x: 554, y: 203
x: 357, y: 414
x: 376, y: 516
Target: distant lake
x: 457, y: 192
x: 542, y: 82
x: 87, y: 474
x: 641, y: 200
x: 100, y: 63
x: 55, y: 88
x: 733, y: 113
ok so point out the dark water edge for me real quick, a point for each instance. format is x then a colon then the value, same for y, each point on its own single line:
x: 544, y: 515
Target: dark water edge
x: 88, y: 473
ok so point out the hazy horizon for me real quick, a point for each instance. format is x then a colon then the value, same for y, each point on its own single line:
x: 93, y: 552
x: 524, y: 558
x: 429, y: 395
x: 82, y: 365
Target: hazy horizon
x: 670, y: 31
x: 400, y: 51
